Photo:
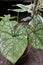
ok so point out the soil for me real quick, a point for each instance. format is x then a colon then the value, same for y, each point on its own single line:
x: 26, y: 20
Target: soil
x: 34, y: 57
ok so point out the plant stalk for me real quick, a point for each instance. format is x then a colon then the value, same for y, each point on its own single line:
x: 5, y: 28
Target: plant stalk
x: 35, y: 6
x: 18, y: 17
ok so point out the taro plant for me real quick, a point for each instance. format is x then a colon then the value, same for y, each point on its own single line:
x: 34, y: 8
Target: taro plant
x: 14, y: 38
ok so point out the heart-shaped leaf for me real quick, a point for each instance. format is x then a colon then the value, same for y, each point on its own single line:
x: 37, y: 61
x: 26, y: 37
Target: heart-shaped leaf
x: 36, y: 32
x: 12, y: 44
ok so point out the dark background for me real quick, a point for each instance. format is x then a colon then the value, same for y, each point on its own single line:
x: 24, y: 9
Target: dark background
x: 5, y: 5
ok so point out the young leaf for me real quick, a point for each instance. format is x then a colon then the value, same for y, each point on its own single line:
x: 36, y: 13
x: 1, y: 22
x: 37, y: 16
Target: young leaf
x: 17, y: 10
x: 12, y: 44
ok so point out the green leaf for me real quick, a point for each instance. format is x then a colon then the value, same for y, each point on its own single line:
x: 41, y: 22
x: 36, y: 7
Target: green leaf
x: 22, y: 6
x: 6, y: 25
x: 17, y: 10
x: 21, y: 30
x: 36, y: 35
x: 12, y: 42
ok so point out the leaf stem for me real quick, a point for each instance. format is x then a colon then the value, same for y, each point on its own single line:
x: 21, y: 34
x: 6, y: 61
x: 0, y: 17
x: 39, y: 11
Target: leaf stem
x: 18, y: 17
x: 35, y: 5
